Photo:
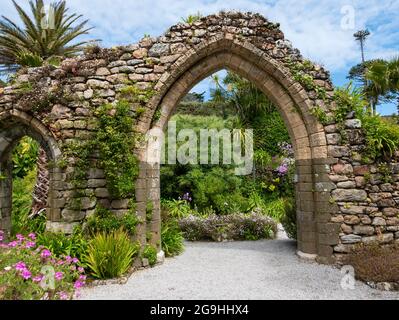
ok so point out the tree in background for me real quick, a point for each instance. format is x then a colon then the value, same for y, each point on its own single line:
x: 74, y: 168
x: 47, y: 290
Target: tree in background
x: 42, y: 36
x: 382, y: 81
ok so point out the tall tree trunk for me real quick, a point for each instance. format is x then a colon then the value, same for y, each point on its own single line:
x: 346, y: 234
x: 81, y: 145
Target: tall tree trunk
x: 40, y: 192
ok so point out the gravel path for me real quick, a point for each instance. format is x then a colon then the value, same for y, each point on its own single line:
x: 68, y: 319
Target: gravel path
x: 236, y: 270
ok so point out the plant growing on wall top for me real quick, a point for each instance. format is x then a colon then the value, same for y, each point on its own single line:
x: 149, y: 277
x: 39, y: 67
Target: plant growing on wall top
x: 41, y: 37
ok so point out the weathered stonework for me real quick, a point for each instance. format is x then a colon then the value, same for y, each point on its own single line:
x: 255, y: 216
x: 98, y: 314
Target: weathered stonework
x: 339, y: 201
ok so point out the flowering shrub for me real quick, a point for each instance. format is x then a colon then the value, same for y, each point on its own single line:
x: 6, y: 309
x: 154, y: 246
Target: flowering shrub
x: 252, y: 226
x: 31, y: 272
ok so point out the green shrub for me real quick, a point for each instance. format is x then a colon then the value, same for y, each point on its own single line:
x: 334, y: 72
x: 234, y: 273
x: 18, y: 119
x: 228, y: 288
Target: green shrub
x: 253, y: 226
x: 150, y: 253
x: 289, y: 220
x: 24, y: 157
x: 59, y: 244
x: 172, y: 238
x: 110, y: 255
x: 269, y: 131
x: 22, y: 206
x: 276, y: 208
x: 177, y: 208
x: 106, y: 221
x: 382, y: 137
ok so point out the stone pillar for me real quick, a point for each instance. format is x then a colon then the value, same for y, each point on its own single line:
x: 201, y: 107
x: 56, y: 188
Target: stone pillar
x: 5, y: 196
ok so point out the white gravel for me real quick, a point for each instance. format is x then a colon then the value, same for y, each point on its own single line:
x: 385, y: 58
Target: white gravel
x: 236, y: 270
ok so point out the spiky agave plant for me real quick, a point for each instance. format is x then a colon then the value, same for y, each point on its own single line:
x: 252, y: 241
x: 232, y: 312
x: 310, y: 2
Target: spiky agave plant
x: 42, y: 35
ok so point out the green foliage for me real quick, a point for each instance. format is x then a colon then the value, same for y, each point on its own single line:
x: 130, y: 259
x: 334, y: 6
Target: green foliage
x: 24, y: 157
x: 269, y: 131
x: 192, y: 18
x: 276, y: 208
x: 150, y: 253
x: 289, y: 220
x: 105, y: 221
x: 59, y: 244
x: 172, y: 238
x: 213, y: 187
x: 29, y: 59
x: 177, y: 208
x: 110, y: 255
x: 134, y: 94
x: 115, y: 142
x: 321, y: 115
x: 382, y: 137
x: 22, y: 205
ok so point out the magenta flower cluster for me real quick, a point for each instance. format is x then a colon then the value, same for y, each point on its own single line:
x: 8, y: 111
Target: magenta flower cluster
x: 46, y: 258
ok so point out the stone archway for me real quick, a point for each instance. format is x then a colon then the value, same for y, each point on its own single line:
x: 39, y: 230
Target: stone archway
x: 336, y: 205
x: 13, y: 126
x: 306, y: 133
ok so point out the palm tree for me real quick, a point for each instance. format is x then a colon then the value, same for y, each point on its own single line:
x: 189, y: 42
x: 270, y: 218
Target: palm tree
x: 382, y: 81
x: 41, y: 37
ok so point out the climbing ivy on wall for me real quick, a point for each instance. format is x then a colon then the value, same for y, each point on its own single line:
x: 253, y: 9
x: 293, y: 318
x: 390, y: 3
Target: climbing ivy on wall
x: 111, y: 147
x: 115, y: 143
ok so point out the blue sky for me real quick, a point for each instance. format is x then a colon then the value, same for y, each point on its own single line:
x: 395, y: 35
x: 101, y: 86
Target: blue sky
x: 313, y: 26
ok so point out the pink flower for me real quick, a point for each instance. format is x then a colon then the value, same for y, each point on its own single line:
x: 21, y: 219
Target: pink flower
x: 81, y: 270
x: 32, y: 236
x: 63, y: 295
x: 30, y: 244
x: 75, y: 260
x: 78, y: 284
x: 68, y: 259
x: 20, y: 237
x: 83, y: 278
x: 59, y: 276
x: 1, y: 235
x: 45, y: 253
x: 38, y: 278
x: 73, y: 268
x: 13, y: 244
x: 60, y: 263
x: 26, y: 274
x: 20, y: 266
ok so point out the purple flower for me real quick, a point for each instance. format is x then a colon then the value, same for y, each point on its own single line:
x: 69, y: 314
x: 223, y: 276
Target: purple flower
x: 78, y: 284
x: 20, y: 266
x: 13, y: 244
x: 68, y: 259
x: 38, y: 278
x: 82, y: 278
x: 75, y: 260
x: 45, y: 253
x: 26, y: 274
x: 283, y: 169
x: 63, y: 295
x: 32, y: 236
x: 30, y: 244
x: 1, y: 236
x: 59, y: 276
x: 20, y: 237
x: 81, y: 270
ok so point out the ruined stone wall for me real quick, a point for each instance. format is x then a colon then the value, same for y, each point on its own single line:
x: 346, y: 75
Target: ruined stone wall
x: 338, y: 203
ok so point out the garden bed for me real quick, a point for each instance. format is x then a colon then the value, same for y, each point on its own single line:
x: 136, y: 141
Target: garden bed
x: 252, y: 226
